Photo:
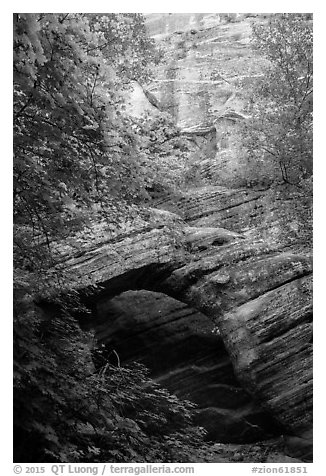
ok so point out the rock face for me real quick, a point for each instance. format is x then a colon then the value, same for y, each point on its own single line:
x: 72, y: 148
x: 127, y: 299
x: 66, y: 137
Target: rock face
x: 206, y: 55
x: 257, y: 295
x: 273, y: 216
x: 140, y: 101
x: 178, y: 345
x: 208, y: 63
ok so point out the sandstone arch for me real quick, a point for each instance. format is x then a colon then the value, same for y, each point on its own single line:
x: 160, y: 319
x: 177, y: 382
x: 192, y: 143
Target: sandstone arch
x: 259, y: 297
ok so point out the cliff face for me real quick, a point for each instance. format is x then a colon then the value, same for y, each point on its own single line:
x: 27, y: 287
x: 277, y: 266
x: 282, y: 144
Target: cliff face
x: 208, y: 62
x: 205, y: 59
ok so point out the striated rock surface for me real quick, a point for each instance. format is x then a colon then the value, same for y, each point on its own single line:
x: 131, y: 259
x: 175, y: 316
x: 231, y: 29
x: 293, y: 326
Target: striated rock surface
x: 208, y: 67
x: 281, y: 216
x: 208, y: 64
x: 257, y: 295
x: 206, y: 55
x: 178, y: 345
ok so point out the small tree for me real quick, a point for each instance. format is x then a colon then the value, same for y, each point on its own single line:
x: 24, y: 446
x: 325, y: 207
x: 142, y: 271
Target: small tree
x: 280, y: 103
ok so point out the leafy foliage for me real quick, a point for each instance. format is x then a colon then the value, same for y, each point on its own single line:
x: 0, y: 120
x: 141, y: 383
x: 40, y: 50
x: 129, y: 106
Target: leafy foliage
x: 280, y: 104
x: 75, y: 150
x: 65, y: 409
x: 163, y: 151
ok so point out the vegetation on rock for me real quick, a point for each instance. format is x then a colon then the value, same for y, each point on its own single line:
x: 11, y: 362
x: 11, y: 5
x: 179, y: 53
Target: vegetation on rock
x: 278, y: 134
x: 67, y: 410
x: 75, y: 150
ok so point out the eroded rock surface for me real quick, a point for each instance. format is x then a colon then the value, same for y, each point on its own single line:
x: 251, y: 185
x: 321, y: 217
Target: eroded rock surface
x: 257, y: 295
x: 280, y: 216
x: 178, y: 344
x: 206, y: 56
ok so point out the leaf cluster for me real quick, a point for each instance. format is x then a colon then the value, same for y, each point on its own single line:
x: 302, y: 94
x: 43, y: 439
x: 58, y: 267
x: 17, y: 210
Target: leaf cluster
x: 163, y: 150
x: 75, y: 151
x: 280, y: 103
x: 68, y: 410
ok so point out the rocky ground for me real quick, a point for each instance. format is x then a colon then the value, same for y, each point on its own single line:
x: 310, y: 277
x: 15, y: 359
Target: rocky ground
x: 270, y: 451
